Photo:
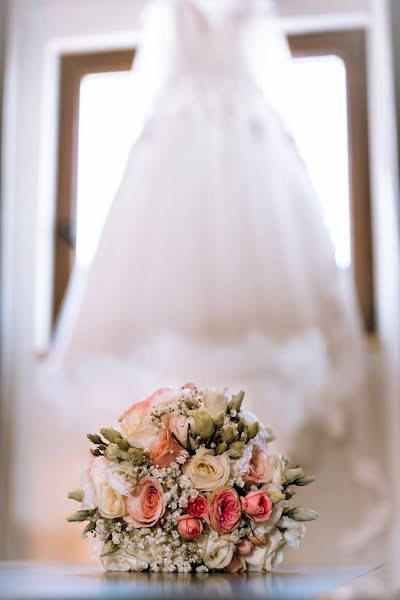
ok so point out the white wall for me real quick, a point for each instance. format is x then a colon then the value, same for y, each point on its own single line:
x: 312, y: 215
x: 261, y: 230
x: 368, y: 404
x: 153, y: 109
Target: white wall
x: 386, y: 206
x: 40, y: 30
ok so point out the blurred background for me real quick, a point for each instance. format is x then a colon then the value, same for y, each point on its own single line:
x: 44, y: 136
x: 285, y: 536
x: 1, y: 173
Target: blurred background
x: 65, y: 86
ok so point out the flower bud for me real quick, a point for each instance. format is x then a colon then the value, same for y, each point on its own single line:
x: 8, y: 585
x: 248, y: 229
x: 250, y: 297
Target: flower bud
x: 236, y: 402
x: 222, y: 447
x: 108, y: 548
x: 219, y: 420
x: 76, y: 495
x: 276, y: 497
x: 203, y: 423
x: 302, y: 514
x: 292, y: 474
x: 123, y: 445
x: 304, y: 480
x: 228, y: 433
x: 135, y: 455
x: 252, y: 429
x: 94, y: 438
x: 112, y: 435
x: 112, y: 453
x: 235, y: 449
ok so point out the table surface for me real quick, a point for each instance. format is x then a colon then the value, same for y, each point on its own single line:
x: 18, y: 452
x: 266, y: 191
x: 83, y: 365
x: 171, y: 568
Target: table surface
x: 34, y: 581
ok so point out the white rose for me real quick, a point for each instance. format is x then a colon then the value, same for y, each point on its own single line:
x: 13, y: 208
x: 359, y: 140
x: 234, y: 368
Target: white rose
x: 137, y: 428
x: 93, y: 478
x: 206, y: 471
x: 215, y: 400
x: 218, y: 552
x: 179, y: 425
x: 167, y: 399
x: 121, y: 478
x: 278, y: 467
x: 266, y: 558
x: 110, y: 504
x: 89, y: 494
x: 121, y: 560
x: 240, y: 467
x: 293, y: 531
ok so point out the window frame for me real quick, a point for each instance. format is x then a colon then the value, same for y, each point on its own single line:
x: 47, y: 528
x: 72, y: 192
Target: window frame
x: 349, y: 45
x: 73, y: 67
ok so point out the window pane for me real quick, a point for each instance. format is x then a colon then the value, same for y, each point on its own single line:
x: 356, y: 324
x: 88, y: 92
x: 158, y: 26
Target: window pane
x: 319, y: 121
x: 106, y: 119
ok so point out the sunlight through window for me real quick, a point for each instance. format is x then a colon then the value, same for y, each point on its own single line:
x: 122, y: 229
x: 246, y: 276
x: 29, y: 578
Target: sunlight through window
x: 108, y: 123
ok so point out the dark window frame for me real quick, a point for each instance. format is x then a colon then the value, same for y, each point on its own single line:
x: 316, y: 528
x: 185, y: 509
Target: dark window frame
x: 350, y: 46
x: 73, y: 68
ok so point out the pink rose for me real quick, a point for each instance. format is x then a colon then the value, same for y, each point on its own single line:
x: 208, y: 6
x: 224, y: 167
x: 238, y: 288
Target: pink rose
x: 224, y: 511
x: 146, y: 404
x: 189, y: 528
x: 190, y: 386
x: 198, y: 507
x: 136, y: 427
x: 146, y: 504
x: 245, y: 547
x: 166, y: 449
x: 257, y: 506
x: 237, y: 564
x: 260, y: 469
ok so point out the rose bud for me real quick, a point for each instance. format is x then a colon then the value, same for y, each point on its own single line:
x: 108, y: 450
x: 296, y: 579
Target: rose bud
x: 197, y: 507
x: 189, y: 527
x: 257, y: 506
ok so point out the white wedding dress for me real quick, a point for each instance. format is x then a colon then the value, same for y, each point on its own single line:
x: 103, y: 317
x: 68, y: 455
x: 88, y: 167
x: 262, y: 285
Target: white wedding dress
x: 214, y: 264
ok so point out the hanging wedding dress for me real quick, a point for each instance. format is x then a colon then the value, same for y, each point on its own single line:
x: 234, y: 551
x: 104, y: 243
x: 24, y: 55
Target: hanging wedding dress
x: 214, y: 264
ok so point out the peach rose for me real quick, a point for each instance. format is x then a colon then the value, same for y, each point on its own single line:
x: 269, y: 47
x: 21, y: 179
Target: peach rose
x: 257, y: 506
x: 165, y: 449
x: 198, y: 507
x: 224, y: 511
x: 146, y: 504
x: 237, y: 564
x: 259, y: 470
x: 189, y: 527
x: 135, y: 425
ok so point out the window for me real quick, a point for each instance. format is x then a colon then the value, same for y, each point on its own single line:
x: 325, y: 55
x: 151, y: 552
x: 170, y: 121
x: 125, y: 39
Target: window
x: 330, y: 125
x: 76, y: 72
x: 348, y: 48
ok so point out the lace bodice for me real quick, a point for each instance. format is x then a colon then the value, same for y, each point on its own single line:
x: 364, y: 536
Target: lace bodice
x: 205, y: 49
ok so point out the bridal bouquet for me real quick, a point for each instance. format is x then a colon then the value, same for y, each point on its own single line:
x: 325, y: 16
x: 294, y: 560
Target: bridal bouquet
x: 187, y: 483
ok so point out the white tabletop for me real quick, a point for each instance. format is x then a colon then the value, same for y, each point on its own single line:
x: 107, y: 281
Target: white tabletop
x: 31, y: 581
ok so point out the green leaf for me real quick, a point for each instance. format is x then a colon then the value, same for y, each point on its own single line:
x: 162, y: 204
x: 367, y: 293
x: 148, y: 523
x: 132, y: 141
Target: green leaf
x: 89, y: 527
x: 108, y: 548
x: 80, y: 515
x: 76, y: 495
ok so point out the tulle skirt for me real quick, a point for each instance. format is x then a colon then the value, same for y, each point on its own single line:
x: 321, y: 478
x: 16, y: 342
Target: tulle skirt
x: 215, y: 266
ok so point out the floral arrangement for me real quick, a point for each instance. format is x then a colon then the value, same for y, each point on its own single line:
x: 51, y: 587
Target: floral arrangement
x: 186, y: 483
